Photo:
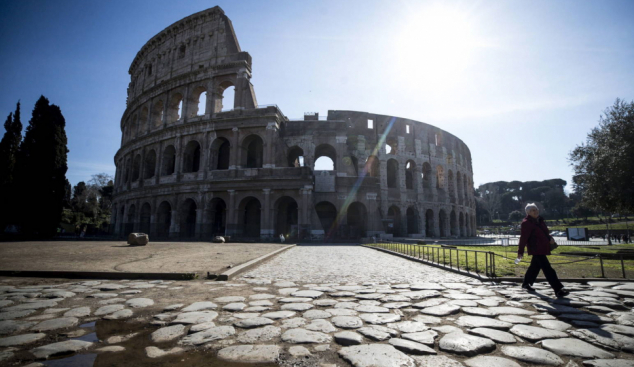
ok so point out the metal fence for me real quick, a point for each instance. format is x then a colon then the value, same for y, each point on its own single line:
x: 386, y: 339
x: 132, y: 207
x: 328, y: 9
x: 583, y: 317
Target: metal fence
x: 485, y: 263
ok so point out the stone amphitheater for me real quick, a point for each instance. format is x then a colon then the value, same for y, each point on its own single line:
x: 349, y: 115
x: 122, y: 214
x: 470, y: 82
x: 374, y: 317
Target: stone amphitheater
x: 194, y: 165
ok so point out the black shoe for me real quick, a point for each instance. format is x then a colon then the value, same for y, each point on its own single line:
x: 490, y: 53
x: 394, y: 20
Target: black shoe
x: 562, y: 293
x: 528, y: 288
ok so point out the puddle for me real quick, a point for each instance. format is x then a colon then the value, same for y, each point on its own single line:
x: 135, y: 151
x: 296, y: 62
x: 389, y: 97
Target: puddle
x: 134, y: 353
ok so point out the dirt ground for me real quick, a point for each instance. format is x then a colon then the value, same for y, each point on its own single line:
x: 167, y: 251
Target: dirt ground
x: 156, y: 257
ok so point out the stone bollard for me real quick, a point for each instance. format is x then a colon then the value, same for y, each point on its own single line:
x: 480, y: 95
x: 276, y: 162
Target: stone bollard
x: 138, y: 239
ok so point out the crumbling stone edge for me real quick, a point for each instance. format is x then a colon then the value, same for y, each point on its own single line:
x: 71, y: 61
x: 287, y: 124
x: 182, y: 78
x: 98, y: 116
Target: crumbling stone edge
x: 233, y: 272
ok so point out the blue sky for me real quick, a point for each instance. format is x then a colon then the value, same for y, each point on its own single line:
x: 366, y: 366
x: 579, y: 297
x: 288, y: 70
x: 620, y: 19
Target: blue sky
x: 520, y: 82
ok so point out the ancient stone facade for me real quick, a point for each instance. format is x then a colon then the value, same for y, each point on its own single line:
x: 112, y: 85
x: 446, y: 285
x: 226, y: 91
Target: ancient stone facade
x: 189, y: 169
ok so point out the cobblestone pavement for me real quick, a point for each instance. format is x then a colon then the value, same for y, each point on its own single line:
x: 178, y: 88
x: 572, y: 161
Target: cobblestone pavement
x: 339, y: 263
x: 272, y: 321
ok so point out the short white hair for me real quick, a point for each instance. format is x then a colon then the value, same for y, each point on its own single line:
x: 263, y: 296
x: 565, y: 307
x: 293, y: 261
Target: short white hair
x: 530, y: 206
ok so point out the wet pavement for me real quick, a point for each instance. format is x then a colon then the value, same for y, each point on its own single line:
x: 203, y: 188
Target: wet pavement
x: 380, y: 311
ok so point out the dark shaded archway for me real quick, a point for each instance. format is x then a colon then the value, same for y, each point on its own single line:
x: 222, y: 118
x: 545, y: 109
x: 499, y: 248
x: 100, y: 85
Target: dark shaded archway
x: 250, y: 215
x: 394, y: 221
x: 252, y: 151
x: 327, y: 214
x: 461, y: 223
x: 442, y: 223
x: 169, y: 161
x: 357, y: 218
x: 372, y: 166
x: 149, y: 166
x: 294, y: 155
x: 163, y: 219
x: 453, y: 224
x: 429, y: 224
x: 219, y: 154
x: 191, y: 157
x: 392, y: 173
x: 412, y: 220
x: 217, y: 218
x: 188, y: 219
x: 286, y: 217
x: 145, y: 219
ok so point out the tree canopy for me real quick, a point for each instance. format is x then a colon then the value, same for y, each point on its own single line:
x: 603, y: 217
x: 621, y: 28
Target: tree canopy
x: 604, y: 164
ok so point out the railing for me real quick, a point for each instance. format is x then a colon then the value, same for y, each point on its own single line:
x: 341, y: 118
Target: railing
x: 491, y: 264
x: 470, y: 261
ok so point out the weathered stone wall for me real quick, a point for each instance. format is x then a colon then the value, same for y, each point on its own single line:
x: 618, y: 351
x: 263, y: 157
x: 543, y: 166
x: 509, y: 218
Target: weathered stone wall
x: 184, y: 172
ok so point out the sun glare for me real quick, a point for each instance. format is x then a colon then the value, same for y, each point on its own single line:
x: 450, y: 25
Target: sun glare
x: 436, y: 44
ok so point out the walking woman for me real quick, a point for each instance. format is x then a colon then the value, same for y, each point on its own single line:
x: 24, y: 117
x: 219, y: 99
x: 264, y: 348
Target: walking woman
x: 536, y: 237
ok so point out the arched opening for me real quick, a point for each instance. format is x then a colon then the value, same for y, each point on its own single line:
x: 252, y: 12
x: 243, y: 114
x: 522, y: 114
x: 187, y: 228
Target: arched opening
x: 467, y: 224
x: 357, y: 218
x: 122, y: 220
x: 157, y: 113
x: 453, y: 225
x: 372, y: 166
x: 329, y: 154
x: 228, y: 99
x: 252, y: 151
x: 286, y: 217
x: 296, y: 157
x: 409, y: 174
x: 126, y: 171
x: 250, y: 217
x: 465, y: 188
x: 219, y: 155
x: 143, y: 120
x: 426, y: 176
x: 429, y: 223
x: 191, y: 157
x: 133, y: 128
x: 149, y: 166
x: 392, y: 173
x: 442, y: 223
x: 461, y: 222
x: 199, y: 102
x: 451, y: 187
x: 217, y: 214
x: 440, y: 177
x: 327, y: 214
x: 412, y: 220
x: 188, y: 219
x: 136, y: 168
x: 175, y: 108
x: 391, y: 147
x: 145, y: 218
x: 169, y: 161
x: 163, y: 219
x: 394, y: 221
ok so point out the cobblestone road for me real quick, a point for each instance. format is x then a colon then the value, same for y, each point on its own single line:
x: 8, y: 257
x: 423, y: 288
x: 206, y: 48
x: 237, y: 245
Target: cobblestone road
x: 337, y: 263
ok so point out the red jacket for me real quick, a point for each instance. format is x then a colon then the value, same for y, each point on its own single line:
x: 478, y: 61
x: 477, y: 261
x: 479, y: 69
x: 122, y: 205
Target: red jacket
x: 534, y: 236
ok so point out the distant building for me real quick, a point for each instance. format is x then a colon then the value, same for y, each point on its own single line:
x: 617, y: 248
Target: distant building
x: 187, y: 168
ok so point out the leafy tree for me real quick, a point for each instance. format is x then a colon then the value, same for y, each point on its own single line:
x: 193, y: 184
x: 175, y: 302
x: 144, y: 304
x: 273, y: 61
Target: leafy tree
x: 515, y: 216
x: 603, y: 165
x: 8, y: 151
x: 41, y: 170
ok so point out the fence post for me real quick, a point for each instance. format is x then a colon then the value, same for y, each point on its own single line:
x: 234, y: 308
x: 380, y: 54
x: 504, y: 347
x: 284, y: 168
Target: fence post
x: 466, y: 260
x: 476, y: 262
x: 486, y: 265
x: 444, y: 262
x: 457, y: 260
x: 450, y: 264
x: 601, y: 261
x: 622, y: 267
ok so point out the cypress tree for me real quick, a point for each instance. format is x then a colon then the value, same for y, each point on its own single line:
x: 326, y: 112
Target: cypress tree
x: 41, y: 174
x: 8, y: 152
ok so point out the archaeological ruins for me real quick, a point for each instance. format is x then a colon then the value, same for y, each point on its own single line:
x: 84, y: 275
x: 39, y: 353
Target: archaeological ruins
x: 193, y: 165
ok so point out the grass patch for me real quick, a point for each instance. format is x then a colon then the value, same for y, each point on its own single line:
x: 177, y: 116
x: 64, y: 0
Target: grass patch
x: 592, y: 226
x: 566, y: 266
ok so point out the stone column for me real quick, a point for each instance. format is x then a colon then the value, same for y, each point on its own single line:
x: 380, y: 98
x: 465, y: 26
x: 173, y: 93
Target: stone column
x: 266, y: 230
x: 235, y: 150
x: 186, y: 97
x: 165, y: 109
x: 269, y: 154
x: 179, y: 156
x: 422, y: 223
x: 142, y: 168
x: 375, y: 227
x: 159, y: 160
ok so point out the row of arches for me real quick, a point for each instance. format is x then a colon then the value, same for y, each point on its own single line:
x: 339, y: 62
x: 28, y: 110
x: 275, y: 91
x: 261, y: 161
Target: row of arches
x: 169, y: 110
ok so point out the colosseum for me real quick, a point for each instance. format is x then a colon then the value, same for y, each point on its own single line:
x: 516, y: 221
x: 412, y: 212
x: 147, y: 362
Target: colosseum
x: 193, y: 165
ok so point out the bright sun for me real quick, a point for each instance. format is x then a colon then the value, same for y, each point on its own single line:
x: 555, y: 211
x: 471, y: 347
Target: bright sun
x: 436, y: 44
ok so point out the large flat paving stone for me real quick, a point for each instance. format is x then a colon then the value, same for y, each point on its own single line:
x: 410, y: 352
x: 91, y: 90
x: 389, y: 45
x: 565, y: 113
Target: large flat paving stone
x: 374, y: 355
x: 477, y: 321
x: 575, y: 348
x: 321, y: 325
x: 154, y: 352
x: 411, y: 347
x: 168, y: 333
x: 488, y: 361
x: 259, y: 335
x: 609, y: 363
x: 316, y: 314
x: 65, y: 347
x: 347, y: 338
x: 279, y: 315
x: 379, y: 318
x: 119, y: 315
x: 12, y: 326
x: 200, y: 306
x: 424, y: 337
x: 374, y: 334
x: 250, y: 353
x: 303, y: 336
x: 139, y: 302
x: 441, y: 310
x: 104, y: 310
x: 535, y: 334
x: 436, y: 361
x: 21, y: 339
x: 495, y: 335
x: 253, y: 322
x: 620, y: 329
x: 465, y: 344
x: 54, y: 324
x: 347, y: 322
x: 532, y: 355
x: 605, y: 339
x: 511, y: 311
x: 78, y: 312
x: 408, y: 326
x: 11, y: 315
x: 196, y: 317
x: 214, y: 333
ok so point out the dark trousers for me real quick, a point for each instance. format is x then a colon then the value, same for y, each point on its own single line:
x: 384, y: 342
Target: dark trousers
x: 540, y: 262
